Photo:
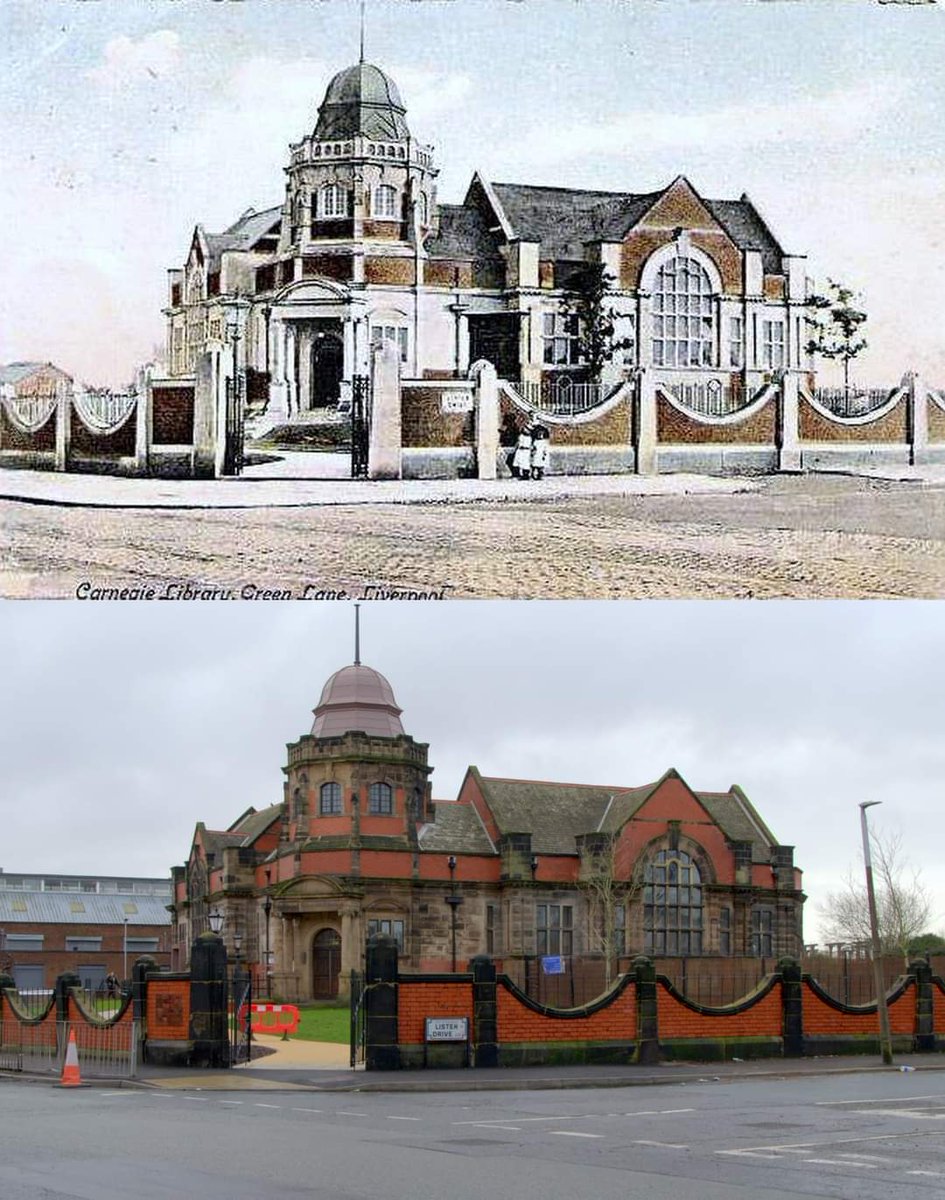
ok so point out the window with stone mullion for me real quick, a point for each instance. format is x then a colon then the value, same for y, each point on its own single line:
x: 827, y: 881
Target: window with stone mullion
x: 554, y: 929
x: 672, y: 905
x: 683, y: 321
x: 380, y: 799
x: 329, y: 799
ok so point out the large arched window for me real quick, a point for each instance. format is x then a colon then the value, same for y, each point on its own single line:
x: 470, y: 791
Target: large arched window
x: 329, y: 799
x: 385, y: 201
x: 683, y: 321
x: 334, y: 201
x: 380, y: 799
x: 672, y: 904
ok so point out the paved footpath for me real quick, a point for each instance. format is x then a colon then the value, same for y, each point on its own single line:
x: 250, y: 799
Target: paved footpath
x: 260, y: 489
x: 297, y: 1065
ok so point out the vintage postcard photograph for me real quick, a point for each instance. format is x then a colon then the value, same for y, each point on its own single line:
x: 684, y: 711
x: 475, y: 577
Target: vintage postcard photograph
x: 470, y: 298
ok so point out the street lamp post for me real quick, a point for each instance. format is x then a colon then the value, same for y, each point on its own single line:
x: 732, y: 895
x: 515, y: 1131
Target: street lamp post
x: 267, y: 909
x: 454, y: 901
x: 124, y: 949
x: 885, y: 1039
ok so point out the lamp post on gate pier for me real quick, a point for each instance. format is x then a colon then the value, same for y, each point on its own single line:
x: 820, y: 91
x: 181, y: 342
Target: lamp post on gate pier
x: 267, y: 909
x: 885, y: 1038
x: 454, y: 900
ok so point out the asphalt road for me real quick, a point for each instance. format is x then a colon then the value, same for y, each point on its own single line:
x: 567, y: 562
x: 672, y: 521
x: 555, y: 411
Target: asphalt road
x: 865, y: 1137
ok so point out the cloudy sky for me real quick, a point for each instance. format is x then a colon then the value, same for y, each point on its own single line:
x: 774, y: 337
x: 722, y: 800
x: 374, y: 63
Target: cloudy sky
x: 125, y: 122
x: 123, y: 725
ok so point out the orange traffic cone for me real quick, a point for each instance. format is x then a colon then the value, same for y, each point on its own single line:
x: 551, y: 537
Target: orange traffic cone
x: 70, y: 1068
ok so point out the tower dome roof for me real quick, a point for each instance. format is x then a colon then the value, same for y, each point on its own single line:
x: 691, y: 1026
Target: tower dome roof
x: 362, y: 100
x: 357, y: 697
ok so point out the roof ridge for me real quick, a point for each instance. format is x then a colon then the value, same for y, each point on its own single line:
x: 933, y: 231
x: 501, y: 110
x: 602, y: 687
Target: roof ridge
x: 603, y: 787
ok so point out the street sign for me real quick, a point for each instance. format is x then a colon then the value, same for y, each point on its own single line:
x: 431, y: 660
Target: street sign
x: 456, y: 402
x: 447, y: 1029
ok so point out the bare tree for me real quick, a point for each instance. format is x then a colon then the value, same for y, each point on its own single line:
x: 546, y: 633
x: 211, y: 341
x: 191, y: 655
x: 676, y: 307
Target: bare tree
x: 608, y: 900
x: 903, y: 904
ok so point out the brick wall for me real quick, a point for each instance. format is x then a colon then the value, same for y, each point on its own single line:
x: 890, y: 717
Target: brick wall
x: 825, y: 1018
x: 119, y: 444
x: 936, y: 422
x: 423, y: 424
x: 521, y: 1021
x: 172, y: 416
x: 44, y: 439
x: 611, y: 429
x: 675, y: 427
x: 759, y: 1017
x: 892, y: 427
x: 435, y: 998
x: 387, y: 269
x: 168, y: 1008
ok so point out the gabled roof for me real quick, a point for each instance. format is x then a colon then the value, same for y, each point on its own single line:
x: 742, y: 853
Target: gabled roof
x: 457, y: 829
x: 564, y: 219
x: 14, y: 372
x: 242, y: 234
x: 554, y: 813
x: 739, y: 821
x: 463, y: 233
x: 243, y: 832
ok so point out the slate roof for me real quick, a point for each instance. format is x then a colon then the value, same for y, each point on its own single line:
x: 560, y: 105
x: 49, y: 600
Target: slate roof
x: 457, y: 828
x: 75, y: 908
x: 243, y: 832
x: 242, y: 234
x: 738, y: 820
x: 554, y: 813
x: 14, y: 372
x: 463, y: 233
x: 563, y: 219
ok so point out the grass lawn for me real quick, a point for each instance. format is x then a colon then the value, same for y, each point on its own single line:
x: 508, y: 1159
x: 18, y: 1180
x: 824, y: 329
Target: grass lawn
x: 324, y: 1023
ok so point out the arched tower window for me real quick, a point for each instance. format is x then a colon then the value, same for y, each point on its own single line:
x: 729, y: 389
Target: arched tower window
x: 683, y: 322
x: 384, y: 203
x: 380, y: 799
x: 329, y: 799
x: 672, y: 904
x: 334, y: 201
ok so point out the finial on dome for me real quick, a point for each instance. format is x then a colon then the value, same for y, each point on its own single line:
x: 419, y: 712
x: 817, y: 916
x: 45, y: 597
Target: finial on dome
x: 362, y: 31
x: 357, y: 636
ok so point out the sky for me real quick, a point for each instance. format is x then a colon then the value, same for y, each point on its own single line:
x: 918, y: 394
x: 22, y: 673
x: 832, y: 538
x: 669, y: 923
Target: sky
x: 126, y: 122
x: 121, y: 726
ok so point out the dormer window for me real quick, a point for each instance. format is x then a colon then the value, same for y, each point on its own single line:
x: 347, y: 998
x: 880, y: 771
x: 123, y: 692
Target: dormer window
x: 384, y: 204
x: 334, y: 201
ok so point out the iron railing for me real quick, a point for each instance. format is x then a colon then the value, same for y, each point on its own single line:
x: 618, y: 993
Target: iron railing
x: 103, y: 411
x: 851, y: 402
x: 711, y: 398
x: 109, y: 1052
x: 562, y: 396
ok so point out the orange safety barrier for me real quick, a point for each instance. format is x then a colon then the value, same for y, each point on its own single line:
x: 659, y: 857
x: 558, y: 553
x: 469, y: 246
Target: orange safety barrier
x: 274, y: 1018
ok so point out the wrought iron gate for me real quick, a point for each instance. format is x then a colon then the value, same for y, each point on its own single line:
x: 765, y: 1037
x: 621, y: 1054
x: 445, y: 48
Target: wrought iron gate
x: 235, y: 426
x: 357, y: 1018
x: 240, y: 1017
x: 360, y: 425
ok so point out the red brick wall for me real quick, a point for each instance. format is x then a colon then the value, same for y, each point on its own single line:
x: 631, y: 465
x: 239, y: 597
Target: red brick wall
x: 938, y: 1009
x: 674, y: 426
x: 168, y: 1009
x: 416, y: 1001
x: 389, y: 270
x: 43, y: 439
x: 815, y: 428
x: 936, y: 422
x: 423, y: 424
x: 520, y: 1023
x: 762, y: 1019
x: 822, y: 1018
x: 102, y: 445
x: 172, y: 416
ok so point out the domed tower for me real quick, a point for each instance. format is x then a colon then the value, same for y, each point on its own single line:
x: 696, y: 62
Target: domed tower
x: 359, y: 177
x: 357, y: 774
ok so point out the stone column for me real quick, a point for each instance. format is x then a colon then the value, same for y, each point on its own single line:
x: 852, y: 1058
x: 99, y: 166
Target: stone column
x: 208, y: 1032
x: 644, y: 423
x: 487, y: 422
x: 924, y: 1037
x: 143, y: 422
x: 205, y: 414
x: 648, y: 1045
x: 917, y: 419
x: 789, y: 449
x: 304, y: 383
x: 292, y: 389
x: 792, y: 1008
x: 382, y: 1051
x: 278, y: 401
x: 485, y: 1035
x: 350, y: 943
x: 384, y: 447
x: 63, y: 425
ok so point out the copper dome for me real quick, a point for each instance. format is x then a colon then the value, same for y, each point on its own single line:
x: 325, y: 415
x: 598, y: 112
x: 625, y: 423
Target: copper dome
x: 357, y: 698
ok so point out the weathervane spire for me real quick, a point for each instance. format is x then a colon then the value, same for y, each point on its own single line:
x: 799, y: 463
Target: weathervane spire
x: 357, y: 636
x: 362, y: 31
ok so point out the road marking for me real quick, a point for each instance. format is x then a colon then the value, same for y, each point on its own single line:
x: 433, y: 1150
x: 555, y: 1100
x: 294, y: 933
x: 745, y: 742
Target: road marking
x: 900, y: 1112
x: 267, y: 1106
x: 665, y: 1145
x: 343, y: 1112
x: 799, y: 1147
x: 231, y: 1101
x: 318, y: 1110
x: 872, y: 1157
x: 514, y: 1128
x: 404, y: 1118
x: 199, y: 1099
x: 664, y: 1111
x: 572, y: 1133
x: 837, y: 1162
x: 904, y: 1100
x: 935, y: 1174
x: 121, y: 1093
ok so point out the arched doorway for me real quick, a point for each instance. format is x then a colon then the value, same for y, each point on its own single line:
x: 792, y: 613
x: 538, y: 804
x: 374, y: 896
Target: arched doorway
x: 326, y: 964
x: 327, y: 369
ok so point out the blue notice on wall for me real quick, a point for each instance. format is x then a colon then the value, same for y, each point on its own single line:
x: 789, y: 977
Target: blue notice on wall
x: 552, y: 965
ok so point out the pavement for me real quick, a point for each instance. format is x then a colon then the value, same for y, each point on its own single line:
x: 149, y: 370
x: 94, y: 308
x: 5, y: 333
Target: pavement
x: 299, y: 480
x: 304, y: 1066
